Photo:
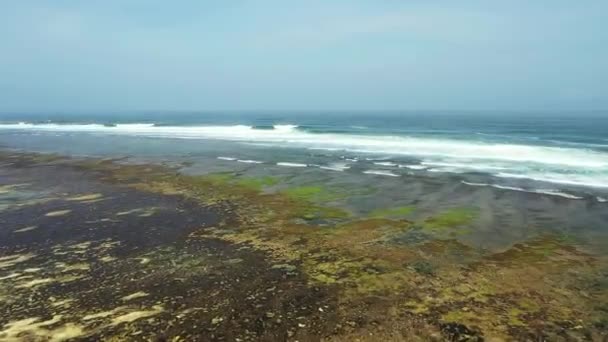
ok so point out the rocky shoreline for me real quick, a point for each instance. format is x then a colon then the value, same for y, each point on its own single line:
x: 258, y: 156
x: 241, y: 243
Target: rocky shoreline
x: 97, y: 249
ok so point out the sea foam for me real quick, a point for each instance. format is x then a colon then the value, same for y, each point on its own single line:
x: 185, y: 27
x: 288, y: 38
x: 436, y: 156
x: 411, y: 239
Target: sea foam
x: 249, y: 161
x: 385, y: 164
x: 566, y: 165
x: 380, y: 173
x: 550, y: 192
x: 291, y: 164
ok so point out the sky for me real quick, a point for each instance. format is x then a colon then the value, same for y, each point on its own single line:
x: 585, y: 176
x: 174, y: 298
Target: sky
x: 115, y: 55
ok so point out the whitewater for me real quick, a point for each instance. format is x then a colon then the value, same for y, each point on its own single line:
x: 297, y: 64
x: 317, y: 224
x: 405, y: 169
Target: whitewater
x: 577, y: 166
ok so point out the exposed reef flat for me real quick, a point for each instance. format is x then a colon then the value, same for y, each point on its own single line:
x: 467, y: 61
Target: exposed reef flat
x: 102, y: 250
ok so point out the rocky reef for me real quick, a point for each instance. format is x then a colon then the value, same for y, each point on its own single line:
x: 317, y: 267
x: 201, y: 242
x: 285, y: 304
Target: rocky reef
x: 103, y: 249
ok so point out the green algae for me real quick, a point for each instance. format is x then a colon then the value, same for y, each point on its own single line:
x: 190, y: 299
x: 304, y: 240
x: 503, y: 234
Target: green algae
x: 312, y: 212
x: 217, y: 178
x: 392, y: 212
x: 230, y: 178
x: 358, y: 275
x: 461, y: 316
x: 453, y: 218
x: 259, y: 183
x: 514, y: 317
x: 546, y: 249
x: 315, y: 193
x: 423, y: 267
x: 308, y: 193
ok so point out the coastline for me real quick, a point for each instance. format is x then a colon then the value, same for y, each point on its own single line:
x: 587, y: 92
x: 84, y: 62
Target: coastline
x: 146, y: 251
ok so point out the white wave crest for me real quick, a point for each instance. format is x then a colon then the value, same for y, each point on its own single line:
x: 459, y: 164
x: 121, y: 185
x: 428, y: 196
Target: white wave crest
x: 597, y: 181
x: 550, y: 192
x: 335, y: 167
x: 249, y: 161
x: 285, y: 128
x: 385, y: 164
x: 413, y: 167
x: 380, y: 173
x: 557, y: 193
x: 464, y: 166
x: 291, y: 164
x: 289, y: 134
x: 475, y: 184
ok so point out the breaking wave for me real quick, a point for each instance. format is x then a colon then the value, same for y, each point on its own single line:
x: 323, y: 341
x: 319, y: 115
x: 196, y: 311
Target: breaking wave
x: 565, y: 165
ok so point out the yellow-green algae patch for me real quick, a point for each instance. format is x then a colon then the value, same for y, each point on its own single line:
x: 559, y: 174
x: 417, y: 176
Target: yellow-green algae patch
x: 392, y: 212
x: 25, y: 229
x: 104, y: 314
x: 450, y: 218
x: 14, y: 259
x: 107, y: 258
x: 62, y: 303
x: 143, y: 260
x: 135, y: 295
x: 232, y: 179
x: 81, y: 266
x: 10, y: 276
x: 33, y: 329
x: 257, y: 183
x: 312, y: 193
x: 82, y: 245
x: 136, y: 315
x: 141, y: 212
x: 58, y: 213
x: 36, y: 282
x: 124, y: 314
x: 87, y: 197
x: 5, y: 189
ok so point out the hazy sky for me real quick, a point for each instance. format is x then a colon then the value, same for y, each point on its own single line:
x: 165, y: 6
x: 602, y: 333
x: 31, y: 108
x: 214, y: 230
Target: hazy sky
x: 303, y: 55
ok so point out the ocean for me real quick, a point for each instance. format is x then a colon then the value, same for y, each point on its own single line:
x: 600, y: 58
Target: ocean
x: 556, y: 153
